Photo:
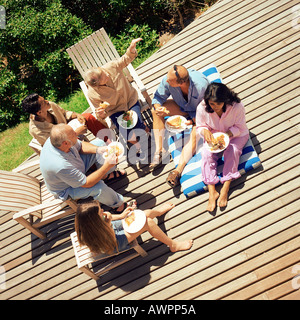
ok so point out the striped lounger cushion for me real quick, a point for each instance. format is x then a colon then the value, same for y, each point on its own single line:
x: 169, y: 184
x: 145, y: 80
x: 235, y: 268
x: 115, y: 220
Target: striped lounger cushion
x: 190, y: 180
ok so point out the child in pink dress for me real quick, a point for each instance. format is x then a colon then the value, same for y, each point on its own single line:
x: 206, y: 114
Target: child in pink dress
x: 221, y: 111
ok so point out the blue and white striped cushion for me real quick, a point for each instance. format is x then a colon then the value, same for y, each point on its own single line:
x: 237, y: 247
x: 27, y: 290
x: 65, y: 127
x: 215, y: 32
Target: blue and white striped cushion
x: 190, y: 180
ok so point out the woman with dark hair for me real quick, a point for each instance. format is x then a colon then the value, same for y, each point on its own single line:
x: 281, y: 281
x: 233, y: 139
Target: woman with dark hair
x: 103, y: 232
x: 221, y: 111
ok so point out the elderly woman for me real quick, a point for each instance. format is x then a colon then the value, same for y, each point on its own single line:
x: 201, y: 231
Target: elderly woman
x: 111, y: 93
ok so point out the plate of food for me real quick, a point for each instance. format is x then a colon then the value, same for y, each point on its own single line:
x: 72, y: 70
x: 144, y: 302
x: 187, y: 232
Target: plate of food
x: 75, y: 124
x: 219, y: 142
x: 134, y: 221
x: 128, y: 119
x: 176, y: 124
x: 116, y: 148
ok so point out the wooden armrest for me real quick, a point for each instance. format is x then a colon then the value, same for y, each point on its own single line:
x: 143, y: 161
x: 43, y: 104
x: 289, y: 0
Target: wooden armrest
x: 26, y: 165
x: 33, y: 210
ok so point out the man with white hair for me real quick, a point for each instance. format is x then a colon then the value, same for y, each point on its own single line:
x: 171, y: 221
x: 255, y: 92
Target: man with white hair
x: 65, y: 160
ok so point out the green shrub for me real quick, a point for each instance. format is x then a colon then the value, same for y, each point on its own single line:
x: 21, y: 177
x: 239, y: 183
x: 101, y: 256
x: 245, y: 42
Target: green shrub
x: 32, y: 47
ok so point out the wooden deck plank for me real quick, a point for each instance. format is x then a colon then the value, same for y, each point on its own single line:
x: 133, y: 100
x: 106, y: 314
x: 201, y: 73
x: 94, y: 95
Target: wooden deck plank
x: 243, y: 252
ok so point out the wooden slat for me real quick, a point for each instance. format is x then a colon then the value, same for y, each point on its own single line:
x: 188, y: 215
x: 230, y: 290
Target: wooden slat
x: 246, y: 251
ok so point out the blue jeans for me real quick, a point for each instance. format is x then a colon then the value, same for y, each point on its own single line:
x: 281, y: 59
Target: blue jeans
x: 100, y: 191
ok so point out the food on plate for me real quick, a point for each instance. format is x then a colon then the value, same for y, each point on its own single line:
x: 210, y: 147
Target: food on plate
x: 130, y: 218
x: 115, y: 149
x: 128, y: 117
x: 164, y: 109
x: 175, y: 122
x: 218, y: 143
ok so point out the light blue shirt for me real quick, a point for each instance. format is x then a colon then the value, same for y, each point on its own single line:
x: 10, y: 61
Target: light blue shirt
x: 62, y: 170
x: 198, y: 85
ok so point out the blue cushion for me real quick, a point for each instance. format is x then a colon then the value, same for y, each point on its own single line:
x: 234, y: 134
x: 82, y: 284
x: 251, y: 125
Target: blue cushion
x: 190, y: 180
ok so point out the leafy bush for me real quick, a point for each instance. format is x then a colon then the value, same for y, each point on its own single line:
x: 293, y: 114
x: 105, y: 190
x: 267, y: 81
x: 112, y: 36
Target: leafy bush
x: 149, y: 44
x: 32, y: 50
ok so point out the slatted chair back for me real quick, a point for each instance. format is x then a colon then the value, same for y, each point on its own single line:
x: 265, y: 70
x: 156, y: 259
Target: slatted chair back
x: 28, y: 197
x: 95, y: 51
x: 84, y: 258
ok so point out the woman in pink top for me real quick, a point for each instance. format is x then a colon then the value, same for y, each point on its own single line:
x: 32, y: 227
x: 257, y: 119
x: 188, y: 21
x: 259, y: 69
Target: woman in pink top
x: 221, y: 111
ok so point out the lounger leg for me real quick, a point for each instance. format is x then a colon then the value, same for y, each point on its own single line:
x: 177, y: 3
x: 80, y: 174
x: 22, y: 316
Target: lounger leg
x: 139, y: 250
x: 28, y: 226
x: 90, y: 273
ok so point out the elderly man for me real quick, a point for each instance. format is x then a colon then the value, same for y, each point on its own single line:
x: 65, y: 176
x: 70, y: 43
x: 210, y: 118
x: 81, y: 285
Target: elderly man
x: 111, y: 93
x: 45, y: 114
x: 187, y: 87
x: 65, y: 160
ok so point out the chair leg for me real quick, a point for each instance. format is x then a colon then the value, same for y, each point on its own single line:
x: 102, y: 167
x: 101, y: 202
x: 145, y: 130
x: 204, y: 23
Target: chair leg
x: 28, y: 226
x: 90, y: 273
x: 139, y: 249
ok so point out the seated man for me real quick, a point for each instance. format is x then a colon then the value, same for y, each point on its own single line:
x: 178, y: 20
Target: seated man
x: 111, y: 93
x: 65, y: 160
x: 44, y: 114
x: 187, y: 87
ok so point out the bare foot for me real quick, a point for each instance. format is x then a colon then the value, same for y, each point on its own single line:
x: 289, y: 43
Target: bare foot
x: 181, y: 245
x: 222, y: 202
x: 212, y: 201
x: 165, y: 208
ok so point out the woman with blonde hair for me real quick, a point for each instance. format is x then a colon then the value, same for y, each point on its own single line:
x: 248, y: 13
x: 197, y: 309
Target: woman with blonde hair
x: 103, y: 232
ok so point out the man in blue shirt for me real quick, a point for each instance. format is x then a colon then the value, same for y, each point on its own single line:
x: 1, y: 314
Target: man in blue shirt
x: 187, y: 88
x: 65, y: 160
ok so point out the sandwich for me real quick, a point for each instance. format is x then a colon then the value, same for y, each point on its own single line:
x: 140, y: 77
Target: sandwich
x: 103, y: 105
x: 175, y: 123
x: 130, y: 218
x: 218, y: 143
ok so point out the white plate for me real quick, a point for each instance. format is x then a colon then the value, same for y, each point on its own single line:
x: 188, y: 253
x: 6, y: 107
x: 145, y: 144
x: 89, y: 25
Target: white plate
x: 137, y: 224
x: 217, y: 134
x: 123, y: 123
x: 176, y: 130
x: 75, y: 124
x: 114, y: 143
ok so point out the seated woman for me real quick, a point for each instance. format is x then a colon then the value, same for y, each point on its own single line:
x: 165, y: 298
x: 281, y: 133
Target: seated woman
x: 111, y: 93
x: 221, y: 111
x: 103, y: 232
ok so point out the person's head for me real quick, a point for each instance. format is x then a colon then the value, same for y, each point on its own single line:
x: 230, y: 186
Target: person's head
x: 62, y: 136
x: 217, y: 96
x: 92, y: 229
x: 177, y: 76
x: 35, y: 104
x: 96, y: 77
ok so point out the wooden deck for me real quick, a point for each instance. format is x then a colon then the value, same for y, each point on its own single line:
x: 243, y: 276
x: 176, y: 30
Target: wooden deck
x: 250, y: 250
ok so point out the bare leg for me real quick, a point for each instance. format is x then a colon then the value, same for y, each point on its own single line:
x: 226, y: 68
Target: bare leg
x: 188, y: 151
x: 153, y: 213
x: 213, y: 196
x: 157, y: 233
x: 222, y: 202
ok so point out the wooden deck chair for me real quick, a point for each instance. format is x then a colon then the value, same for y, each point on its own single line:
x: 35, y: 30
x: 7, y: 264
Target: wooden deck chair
x: 84, y: 257
x: 95, y: 51
x: 29, y: 198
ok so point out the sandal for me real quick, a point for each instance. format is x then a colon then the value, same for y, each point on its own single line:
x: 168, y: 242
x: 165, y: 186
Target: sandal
x: 173, y: 178
x: 117, y: 174
x: 157, y: 160
x: 132, y: 204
